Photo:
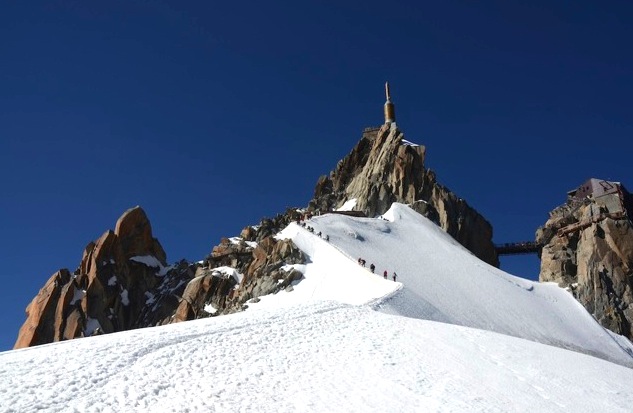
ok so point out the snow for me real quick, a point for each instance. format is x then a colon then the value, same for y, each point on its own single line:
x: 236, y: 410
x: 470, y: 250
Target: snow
x: 346, y: 340
x: 124, y: 298
x: 209, y: 308
x: 92, y: 325
x: 348, y: 205
x: 78, y: 295
x: 409, y: 143
x: 238, y: 240
x: 444, y: 282
x: 226, y: 272
x: 112, y: 280
x: 153, y: 262
x: 150, y: 298
x: 320, y: 357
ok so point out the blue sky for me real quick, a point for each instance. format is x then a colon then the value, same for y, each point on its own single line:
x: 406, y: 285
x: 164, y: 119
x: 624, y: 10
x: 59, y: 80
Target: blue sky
x: 211, y: 116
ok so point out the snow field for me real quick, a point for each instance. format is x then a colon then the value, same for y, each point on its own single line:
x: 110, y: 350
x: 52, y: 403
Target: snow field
x: 444, y: 282
x: 310, y: 358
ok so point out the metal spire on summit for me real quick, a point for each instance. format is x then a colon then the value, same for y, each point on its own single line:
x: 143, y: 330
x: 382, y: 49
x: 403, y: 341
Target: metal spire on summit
x: 390, y: 112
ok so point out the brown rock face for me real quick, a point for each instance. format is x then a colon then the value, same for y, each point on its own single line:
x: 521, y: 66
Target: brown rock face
x: 106, y: 293
x: 41, y: 323
x: 122, y: 282
x: 588, y: 248
x: 383, y: 168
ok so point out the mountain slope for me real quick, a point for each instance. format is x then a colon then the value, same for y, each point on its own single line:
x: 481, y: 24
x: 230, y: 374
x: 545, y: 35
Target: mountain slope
x: 445, y: 282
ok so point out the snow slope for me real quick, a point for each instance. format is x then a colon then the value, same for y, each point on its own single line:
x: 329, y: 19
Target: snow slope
x: 319, y: 357
x: 323, y: 348
x: 444, y: 282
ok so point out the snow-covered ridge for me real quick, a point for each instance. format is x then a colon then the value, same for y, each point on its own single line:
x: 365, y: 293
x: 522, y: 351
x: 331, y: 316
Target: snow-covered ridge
x: 442, y: 282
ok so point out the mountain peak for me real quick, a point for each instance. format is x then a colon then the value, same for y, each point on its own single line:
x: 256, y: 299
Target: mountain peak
x: 384, y: 168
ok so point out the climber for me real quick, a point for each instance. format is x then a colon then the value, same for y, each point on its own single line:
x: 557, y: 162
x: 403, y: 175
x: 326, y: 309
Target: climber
x: 394, y: 276
x: 384, y: 274
x: 372, y: 267
x: 327, y: 238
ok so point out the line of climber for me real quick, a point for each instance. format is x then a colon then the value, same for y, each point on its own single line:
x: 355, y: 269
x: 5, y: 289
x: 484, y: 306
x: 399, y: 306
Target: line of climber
x: 361, y: 261
x: 372, y: 268
x: 311, y: 230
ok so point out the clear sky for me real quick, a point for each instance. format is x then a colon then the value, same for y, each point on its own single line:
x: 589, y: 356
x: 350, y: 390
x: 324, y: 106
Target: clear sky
x: 211, y: 115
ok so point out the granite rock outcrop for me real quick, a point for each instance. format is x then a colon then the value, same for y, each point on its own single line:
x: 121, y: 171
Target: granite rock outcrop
x: 107, y: 291
x: 123, y: 281
x: 588, y: 249
x: 384, y: 168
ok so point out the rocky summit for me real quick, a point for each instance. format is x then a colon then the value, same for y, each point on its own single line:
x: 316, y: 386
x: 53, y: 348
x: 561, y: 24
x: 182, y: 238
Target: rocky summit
x: 588, y: 248
x: 123, y: 281
x: 384, y: 168
x: 106, y: 293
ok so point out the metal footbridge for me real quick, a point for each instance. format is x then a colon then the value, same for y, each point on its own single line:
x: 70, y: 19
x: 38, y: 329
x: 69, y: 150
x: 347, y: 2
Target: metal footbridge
x: 515, y: 248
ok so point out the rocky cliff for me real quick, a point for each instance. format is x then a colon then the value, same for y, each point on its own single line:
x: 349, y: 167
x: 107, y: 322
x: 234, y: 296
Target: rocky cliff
x: 384, y: 168
x: 107, y: 291
x: 588, y: 248
x: 123, y: 281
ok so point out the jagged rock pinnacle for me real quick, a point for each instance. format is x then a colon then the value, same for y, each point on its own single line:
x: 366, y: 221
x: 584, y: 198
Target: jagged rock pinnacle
x: 384, y: 168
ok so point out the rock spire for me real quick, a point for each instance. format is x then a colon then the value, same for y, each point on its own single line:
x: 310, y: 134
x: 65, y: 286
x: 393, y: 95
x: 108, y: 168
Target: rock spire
x: 384, y: 168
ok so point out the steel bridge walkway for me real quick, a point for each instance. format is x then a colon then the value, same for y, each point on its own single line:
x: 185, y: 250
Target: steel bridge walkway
x: 514, y: 248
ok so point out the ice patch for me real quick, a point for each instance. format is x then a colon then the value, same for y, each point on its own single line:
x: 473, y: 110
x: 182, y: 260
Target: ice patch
x: 112, y: 281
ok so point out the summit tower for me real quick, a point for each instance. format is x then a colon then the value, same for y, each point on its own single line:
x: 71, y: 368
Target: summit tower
x: 390, y: 111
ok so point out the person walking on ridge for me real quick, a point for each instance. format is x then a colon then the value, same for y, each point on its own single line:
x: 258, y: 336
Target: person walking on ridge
x: 394, y: 276
x: 385, y: 274
x: 372, y: 268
